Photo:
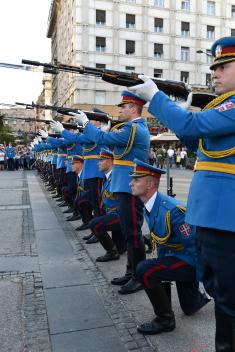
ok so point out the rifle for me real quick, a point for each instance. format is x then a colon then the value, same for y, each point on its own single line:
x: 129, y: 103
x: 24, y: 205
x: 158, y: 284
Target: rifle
x: 170, y: 87
x: 97, y: 116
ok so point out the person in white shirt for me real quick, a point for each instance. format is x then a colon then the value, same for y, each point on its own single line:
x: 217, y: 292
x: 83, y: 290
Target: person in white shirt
x: 170, y: 154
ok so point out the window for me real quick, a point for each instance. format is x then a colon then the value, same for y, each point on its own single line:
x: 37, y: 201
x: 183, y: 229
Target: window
x: 100, y: 96
x: 185, y: 28
x: 157, y: 73
x: 100, y: 44
x: 158, y: 24
x: 184, y: 76
x: 185, y: 5
x: 232, y: 32
x: 130, y: 68
x: 208, y: 80
x: 100, y: 17
x: 130, y: 21
x: 210, y: 32
x: 233, y: 11
x: 184, y: 53
x: 130, y: 47
x: 159, y: 3
x: 158, y: 50
x: 209, y: 57
x: 210, y: 8
x: 101, y: 66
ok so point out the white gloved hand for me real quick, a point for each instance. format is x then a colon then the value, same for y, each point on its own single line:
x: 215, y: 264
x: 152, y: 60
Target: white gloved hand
x: 145, y: 90
x: 39, y: 139
x: 32, y: 144
x: 56, y: 126
x: 43, y: 133
x: 106, y: 127
x: 187, y: 103
x: 81, y: 117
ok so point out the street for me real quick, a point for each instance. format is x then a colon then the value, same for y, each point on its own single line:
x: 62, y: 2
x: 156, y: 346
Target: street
x: 55, y: 297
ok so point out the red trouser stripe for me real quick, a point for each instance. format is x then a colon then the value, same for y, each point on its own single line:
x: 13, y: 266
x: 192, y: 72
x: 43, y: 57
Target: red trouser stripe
x: 149, y: 272
x: 133, y: 207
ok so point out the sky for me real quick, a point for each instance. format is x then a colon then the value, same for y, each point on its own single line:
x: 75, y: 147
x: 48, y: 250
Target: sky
x: 23, y: 28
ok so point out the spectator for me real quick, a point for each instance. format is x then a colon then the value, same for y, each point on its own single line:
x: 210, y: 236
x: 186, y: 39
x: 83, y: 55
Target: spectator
x: 183, y: 156
x: 2, y: 157
x: 170, y: 155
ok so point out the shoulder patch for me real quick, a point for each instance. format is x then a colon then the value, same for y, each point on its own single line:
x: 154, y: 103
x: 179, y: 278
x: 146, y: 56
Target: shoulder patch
x: 185, y: 230
x: 227, y: 105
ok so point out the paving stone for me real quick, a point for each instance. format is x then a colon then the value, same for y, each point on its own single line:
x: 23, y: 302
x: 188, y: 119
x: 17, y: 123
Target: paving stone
x: 11, y: 232
x: 94, y: 340
x: 75, y: 308
x: 11, y: 322
x: 66, y: 274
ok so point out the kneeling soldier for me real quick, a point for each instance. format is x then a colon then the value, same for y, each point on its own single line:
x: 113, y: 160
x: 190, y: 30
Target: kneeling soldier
x: 176, y: 252
x: 110, y: 221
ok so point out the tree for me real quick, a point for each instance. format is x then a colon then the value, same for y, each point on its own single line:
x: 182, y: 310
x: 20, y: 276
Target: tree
x: 6, y: 135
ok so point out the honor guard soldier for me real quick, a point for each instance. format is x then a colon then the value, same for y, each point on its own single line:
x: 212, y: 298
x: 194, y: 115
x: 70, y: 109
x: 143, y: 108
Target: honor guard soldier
x: 211, y: 197
x: 128, y: 140
x: 176, y: 259
x: 110, y: 221
x: 91, y: 174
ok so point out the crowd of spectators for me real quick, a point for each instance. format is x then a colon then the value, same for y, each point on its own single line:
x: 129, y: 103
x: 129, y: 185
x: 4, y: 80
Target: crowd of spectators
x: 177, y: 157
x: 16, y: 157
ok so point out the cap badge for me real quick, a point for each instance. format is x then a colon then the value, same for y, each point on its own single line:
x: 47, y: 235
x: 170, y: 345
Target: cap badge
x: 218, y: 50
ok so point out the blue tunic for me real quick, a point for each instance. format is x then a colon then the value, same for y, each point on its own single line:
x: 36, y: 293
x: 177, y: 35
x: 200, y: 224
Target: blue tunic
x: 211, y: 196
x: 118, y: 141
x: 174, y: 236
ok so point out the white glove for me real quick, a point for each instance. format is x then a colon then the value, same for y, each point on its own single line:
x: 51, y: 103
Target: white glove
x: 145, y: 90
x: 43, y: 133
x: 32, y: 144
x: 106, y: 127
x: 187, y: 103
x: 39, y: 139
x: 56, y: 126
x: 81, y: 117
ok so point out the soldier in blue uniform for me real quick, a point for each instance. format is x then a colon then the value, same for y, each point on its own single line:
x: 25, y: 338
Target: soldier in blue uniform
x: 176, y: 258
x: 91, y: 175
x: 110, y: 221
x: 212, y: 192
x: 128, y: 140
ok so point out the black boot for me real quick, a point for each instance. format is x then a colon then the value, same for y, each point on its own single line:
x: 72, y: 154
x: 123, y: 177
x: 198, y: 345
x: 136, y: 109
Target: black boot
x: 119, y: 241
x: 86, y: 215
x: 225, y: 334
x: 68, y: 211
x: 87, y: 237
x: 122, y: 280
x: 108, y: 244
x: 133, y: 285
x: 93, y: 239
x: 165, y: 320
x: 74, y: 217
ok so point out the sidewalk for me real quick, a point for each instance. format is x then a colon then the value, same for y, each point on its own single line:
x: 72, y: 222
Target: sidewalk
x: 55, y: 297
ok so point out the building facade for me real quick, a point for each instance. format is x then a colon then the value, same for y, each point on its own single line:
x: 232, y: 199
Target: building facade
x: 160, y: 38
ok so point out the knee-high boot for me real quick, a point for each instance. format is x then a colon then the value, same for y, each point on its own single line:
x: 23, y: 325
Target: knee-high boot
x: 165, y: 320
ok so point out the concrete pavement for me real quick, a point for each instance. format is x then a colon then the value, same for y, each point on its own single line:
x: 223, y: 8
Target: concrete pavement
x: 55, y: 297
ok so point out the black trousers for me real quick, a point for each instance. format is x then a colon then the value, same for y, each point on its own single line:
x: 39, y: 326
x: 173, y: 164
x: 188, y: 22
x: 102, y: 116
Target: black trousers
x: 216, y: 250
x: 130, y: 210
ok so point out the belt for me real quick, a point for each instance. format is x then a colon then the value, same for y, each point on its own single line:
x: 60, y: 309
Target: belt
x: 91, y: 157
x: 123, y: 162
x: 214, y: 166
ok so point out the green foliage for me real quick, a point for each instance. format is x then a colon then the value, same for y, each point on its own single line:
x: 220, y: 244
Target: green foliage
x: 6, y: 135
